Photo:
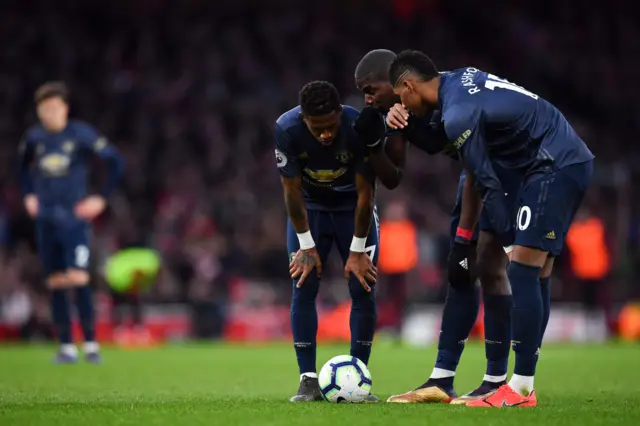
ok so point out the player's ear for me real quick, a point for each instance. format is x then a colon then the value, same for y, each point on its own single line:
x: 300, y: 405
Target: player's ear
x: 409, y: 85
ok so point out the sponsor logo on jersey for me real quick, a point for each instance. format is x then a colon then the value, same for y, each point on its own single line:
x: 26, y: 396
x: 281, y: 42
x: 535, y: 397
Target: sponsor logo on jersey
x: 462, y: 139
x: 55, y: 164
x: 326, y: 175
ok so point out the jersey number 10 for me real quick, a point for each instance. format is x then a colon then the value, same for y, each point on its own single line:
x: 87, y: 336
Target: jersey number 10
x: 495, y: 81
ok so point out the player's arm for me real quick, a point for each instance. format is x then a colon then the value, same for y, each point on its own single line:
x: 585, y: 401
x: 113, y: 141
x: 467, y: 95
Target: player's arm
x: 108, y: 153
x: 463, y: 128
x: 359, y: 263
x: 388, y: 160
x: 471, y: 205
x: 307, y: 257
x: 387, y: 150
x: 25, y: 159
x: 96, y: 144
x: 291, y: 177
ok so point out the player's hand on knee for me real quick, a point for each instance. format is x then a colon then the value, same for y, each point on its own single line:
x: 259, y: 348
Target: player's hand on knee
x: 303, y: 264
x: 31, y: 205
x: 361, y: 266
x: 90, y: 208
x: 398, y: 117
x: 461, y: 270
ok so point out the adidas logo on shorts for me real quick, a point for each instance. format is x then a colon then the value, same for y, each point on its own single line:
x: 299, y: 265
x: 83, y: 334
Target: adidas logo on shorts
x: 464, y: 264
x: 551, y: 235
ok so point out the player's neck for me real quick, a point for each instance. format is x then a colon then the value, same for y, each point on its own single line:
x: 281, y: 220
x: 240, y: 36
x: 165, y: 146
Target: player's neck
x: 434, y: 92
x: 56, y: 129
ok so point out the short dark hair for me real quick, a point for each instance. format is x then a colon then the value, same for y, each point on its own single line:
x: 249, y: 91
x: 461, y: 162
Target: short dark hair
x: 319, y: 98
x: 52, y: 89
x: 412, y: 61
x: 375, y: 65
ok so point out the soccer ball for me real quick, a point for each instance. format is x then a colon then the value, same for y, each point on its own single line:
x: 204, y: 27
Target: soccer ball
x: 345, y: 378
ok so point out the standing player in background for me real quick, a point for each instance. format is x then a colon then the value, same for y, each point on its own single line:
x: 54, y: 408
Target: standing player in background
x: 492, y: 121
x: 54, y: 161
x: 463, y: 295
x: 329, y: 193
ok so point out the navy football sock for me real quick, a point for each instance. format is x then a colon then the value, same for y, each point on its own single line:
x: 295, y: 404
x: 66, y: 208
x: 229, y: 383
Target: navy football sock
x: 362, y: 320
x: 497, y: 333
x: 526, y: 316
x: 61, y: 315
x: 84, y: 302
x: 458, y: 317
x: 304, y: 323
x: 545, y: 287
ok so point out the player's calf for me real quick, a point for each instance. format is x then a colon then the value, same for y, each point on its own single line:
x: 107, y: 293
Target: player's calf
x: 362, y: 320
x: 79, y: 279
x: 527, y: 315
x: 61, y: 316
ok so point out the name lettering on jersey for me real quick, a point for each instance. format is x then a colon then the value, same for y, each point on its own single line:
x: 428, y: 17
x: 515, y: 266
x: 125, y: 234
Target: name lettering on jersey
x: 281, y: 159
x: 467, y: 80
x: 344, y: 157
x: 55, y: 164
x: 68, y: 146
x: 462, y: 139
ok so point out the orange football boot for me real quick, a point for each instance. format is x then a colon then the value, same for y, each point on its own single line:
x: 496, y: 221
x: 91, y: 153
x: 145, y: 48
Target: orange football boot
x: 505, y: 396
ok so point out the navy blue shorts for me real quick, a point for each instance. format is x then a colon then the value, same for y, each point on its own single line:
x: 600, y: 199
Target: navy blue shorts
x: 63, y: 246
x: 547, y: 205
x: 511, y: 181
x: 328, y: 228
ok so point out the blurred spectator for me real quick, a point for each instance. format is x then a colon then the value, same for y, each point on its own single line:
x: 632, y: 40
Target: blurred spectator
x: 590, y: 259
x: 398, y: 256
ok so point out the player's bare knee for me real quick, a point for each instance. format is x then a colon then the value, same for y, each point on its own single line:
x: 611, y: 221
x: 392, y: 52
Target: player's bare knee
x: 493, y: 278
x: 58, y: 280
x: 77, y: 277
x: 529, y: 256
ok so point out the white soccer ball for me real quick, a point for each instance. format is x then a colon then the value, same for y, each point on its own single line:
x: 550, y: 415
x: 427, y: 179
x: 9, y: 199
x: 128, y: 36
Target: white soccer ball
x: 345, y: 378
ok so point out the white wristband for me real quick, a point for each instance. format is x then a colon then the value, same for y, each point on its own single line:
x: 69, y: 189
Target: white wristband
x: 306, y: 241
x: 358, y: 244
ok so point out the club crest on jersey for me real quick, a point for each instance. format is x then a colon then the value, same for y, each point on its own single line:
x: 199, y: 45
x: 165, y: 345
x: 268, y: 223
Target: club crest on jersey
x: 344, y: 157
x: 68, y: 146
x: 281, y: 159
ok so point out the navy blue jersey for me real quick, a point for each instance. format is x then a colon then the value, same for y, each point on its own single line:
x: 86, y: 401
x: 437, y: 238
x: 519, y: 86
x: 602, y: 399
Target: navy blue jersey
x: 54, y: 166
x: 490, y: 120
x: 328, y: 172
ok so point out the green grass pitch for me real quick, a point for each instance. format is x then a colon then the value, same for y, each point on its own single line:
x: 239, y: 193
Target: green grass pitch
x: 250, y: 385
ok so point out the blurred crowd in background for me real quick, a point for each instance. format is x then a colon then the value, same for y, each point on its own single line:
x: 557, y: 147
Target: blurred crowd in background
x: 189, y: 90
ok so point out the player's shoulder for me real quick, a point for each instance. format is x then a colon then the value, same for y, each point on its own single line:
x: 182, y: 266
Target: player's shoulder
x: 290, y: 120
x: 350, y: 113
x: 463, y: 83
x: 81, y: 127
x: 34, y: 132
